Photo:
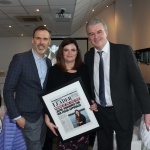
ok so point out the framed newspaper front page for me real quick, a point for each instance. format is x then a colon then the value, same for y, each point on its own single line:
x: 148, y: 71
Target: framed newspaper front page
x: 64, y: 103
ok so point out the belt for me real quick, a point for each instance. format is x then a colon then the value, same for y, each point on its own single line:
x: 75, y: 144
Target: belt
x: 107, y: 107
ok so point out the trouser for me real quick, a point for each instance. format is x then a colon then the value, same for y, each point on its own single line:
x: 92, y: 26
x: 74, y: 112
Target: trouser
x: 48, y: 145
x: 34, y: 134
x: 109, y: 124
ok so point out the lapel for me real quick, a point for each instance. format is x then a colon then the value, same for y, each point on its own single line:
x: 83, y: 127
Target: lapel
x: 113, y: 61
x: 34, y: 68
x: 48, y: 62
x: 91, y: 60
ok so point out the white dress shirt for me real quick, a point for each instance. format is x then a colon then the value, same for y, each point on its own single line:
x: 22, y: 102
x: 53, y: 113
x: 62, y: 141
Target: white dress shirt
x: 106, y: 62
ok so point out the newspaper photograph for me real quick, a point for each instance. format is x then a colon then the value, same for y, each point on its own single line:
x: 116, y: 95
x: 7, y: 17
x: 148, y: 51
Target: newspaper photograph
x: 65, y: 105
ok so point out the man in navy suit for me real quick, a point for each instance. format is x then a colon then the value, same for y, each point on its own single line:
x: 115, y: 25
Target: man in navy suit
x: 25, y: 80
x: 118, y: 108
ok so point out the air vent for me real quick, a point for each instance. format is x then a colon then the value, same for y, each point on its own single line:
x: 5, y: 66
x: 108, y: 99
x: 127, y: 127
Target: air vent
x: 30, y: 18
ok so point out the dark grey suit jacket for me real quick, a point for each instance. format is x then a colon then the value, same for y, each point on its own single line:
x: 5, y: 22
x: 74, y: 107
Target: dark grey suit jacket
x: 23, y: 80
x: 125, y: 82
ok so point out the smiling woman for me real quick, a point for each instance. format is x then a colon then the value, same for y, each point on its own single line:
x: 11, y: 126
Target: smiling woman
x: 69, y: 66
x: 82, y: 42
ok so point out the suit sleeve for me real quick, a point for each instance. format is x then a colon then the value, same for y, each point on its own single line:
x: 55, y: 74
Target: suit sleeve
x: 10, y: 86
x: 138, y: 83
x: 85, y: 59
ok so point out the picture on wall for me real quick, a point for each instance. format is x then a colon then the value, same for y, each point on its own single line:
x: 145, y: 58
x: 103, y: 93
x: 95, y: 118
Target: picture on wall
x: 52, y: 49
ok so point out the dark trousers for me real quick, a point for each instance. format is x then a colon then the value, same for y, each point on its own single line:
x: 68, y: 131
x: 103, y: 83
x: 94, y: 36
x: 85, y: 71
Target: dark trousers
x: 48, y: 145
x: 109, y: 124
x: 34, y: 134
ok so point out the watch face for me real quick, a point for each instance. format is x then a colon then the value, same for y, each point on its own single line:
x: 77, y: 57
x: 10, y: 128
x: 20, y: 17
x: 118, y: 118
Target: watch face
x: 1, y: 125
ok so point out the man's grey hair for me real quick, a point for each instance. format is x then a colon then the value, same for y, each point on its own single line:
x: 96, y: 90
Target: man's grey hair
x: 95, y: 21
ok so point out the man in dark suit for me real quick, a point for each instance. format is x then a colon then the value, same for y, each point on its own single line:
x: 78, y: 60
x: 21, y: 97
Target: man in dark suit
x: 113, y: 86
x: 25, y: 80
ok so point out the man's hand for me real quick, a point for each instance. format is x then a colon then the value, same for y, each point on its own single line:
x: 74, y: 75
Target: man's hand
x: 21, y: 122
x: 147, y: 121
x: 93, y: 106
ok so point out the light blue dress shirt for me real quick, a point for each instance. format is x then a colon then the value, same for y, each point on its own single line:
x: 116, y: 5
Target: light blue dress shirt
x: 41, y: 67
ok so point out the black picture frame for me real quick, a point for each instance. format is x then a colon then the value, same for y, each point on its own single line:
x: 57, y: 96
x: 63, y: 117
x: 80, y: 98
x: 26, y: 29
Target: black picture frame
x: 62, y: 102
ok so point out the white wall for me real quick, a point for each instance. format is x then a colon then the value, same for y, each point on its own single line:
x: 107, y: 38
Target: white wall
x: 141, y: 22
x: 141, y: 31
x: 10, y: 46
x: 123, y: 22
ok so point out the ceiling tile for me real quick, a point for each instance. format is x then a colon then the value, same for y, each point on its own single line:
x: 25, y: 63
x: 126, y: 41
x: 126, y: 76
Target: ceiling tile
x: 6, y: 22
x: 81, y: 4
x: 14, y: 3
x: 9, y: 10
x: 80, y: 10
x: 75, y: 19
x: 78, y: 1
x: 27, y: 25
x: 13, y: 16
x: 7, y: 33
x: 2, y: 29
x: 32, y: 2
x: 62, y: 2
x: 3, y: 17
x: 32, y: 9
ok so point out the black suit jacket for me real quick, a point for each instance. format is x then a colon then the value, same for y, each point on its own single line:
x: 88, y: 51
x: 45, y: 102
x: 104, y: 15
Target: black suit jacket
x: 23, y: 80
x: 125, y: 82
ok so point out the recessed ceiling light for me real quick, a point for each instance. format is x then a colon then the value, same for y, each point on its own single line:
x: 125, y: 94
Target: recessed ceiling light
x: 93, y: 10
x: 9, y: 26
x: 44, y: 25
x: 5, y: 2
x: 37, y: 10
x: 21, y: 34
x: 107, y: 6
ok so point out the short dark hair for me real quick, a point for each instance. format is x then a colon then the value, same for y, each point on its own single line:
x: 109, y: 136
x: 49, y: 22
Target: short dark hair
x: 60, y: 58
x: 95, y: 21
x: 41, y: 28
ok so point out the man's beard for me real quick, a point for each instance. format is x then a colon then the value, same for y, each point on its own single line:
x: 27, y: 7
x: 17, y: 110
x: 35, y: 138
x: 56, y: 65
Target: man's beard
x: 41, y: 51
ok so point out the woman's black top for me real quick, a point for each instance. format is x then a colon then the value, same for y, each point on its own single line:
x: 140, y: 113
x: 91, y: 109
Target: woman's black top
x: 57, y: 77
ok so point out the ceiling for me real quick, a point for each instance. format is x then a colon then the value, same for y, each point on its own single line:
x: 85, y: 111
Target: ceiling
x: 80, y: 10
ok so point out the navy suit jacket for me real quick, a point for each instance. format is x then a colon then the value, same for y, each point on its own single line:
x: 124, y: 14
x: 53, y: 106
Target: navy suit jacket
x: 125, y: 82
x: 23, y: 80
